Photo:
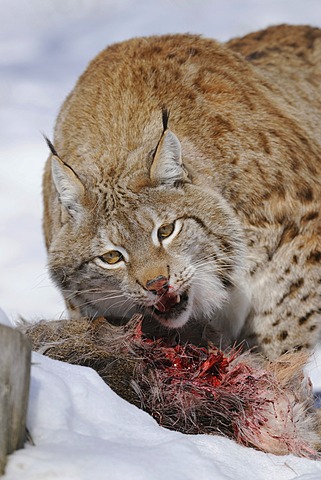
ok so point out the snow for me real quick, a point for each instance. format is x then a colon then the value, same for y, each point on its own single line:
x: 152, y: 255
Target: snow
x: 81, y: 429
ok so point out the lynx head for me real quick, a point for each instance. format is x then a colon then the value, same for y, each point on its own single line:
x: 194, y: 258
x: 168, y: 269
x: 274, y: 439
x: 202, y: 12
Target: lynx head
x: 140, y: 235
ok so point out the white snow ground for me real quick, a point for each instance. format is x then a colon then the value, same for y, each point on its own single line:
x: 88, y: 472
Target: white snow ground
x: 81, y: 429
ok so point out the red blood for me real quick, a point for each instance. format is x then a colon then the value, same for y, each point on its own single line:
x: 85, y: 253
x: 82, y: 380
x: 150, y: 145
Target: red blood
x: 166, y: 301
x: 200, y: 367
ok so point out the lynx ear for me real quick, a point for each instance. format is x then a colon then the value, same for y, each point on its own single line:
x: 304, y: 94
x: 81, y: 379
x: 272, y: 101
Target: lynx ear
x: 69, y: 187
x: 167, y: 167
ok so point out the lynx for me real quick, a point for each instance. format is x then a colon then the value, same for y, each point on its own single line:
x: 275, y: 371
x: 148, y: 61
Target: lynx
x: 184, y: 182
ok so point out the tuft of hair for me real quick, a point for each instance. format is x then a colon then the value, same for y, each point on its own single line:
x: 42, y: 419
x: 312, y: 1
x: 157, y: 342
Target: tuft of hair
x: 165, y: 118
x: 51, y: 147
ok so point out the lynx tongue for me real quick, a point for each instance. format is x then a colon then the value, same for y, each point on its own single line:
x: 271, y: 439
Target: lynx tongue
x: 166, y: 301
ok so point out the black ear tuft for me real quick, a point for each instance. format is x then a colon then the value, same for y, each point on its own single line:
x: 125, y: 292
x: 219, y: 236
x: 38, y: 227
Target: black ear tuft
x: 51, y: 147
x: 165, y: 117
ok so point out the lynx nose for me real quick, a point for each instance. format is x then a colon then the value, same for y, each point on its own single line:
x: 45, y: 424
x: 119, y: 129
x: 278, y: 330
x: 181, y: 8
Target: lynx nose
x: 158, y: 285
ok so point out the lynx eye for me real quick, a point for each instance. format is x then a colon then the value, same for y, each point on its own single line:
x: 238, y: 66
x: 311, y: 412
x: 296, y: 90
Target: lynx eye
x: 112, y: 257
x: 165, y: 231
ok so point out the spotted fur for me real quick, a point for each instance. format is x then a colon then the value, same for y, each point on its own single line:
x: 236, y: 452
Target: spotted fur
x: 237, y: 163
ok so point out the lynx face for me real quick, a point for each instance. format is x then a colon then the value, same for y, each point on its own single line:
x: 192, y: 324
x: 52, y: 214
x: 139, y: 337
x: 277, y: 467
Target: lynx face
x: 127, y: 247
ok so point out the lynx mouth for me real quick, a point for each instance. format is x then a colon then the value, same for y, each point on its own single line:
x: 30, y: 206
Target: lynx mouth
x: 170, y: 306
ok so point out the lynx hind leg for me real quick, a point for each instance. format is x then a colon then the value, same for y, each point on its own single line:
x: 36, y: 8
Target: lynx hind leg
x: 286, y: 311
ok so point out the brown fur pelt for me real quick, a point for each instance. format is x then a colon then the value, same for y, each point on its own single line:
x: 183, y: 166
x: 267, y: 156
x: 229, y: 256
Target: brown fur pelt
x: 259, y: 403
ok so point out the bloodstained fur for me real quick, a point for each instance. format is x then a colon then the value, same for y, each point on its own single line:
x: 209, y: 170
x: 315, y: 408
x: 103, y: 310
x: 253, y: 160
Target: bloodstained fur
x: 195, y: 390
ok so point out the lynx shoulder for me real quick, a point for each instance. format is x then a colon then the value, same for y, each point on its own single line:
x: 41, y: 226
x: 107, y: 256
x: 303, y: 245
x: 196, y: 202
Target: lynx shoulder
x: 184, y: 182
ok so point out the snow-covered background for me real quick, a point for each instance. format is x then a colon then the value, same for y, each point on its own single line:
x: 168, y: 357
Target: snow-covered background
x: 81, y: 429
